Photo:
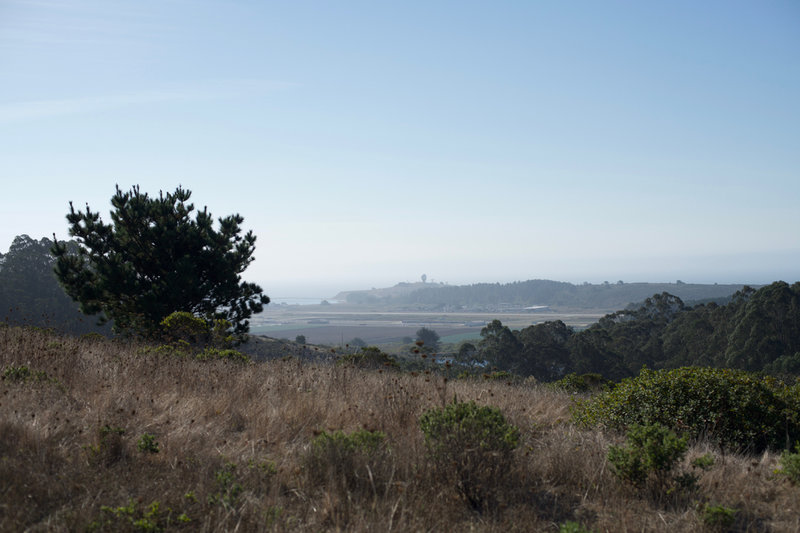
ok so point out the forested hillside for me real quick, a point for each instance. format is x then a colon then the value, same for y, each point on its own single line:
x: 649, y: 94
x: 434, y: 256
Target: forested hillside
x: 521, y: 294
x: 30, y: 293
x: 758, y: 330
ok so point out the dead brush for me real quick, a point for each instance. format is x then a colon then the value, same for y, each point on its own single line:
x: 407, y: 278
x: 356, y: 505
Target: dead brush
x: 262, y: 418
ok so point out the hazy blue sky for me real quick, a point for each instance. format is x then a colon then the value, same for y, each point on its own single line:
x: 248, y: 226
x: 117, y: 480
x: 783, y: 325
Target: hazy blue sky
x: 367, y: 143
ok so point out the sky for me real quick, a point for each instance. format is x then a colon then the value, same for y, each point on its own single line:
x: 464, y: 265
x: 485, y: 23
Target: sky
x: 368, y: 143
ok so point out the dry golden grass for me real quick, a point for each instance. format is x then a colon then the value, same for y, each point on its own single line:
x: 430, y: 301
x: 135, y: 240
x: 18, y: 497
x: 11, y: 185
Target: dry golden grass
x: 234, y: 441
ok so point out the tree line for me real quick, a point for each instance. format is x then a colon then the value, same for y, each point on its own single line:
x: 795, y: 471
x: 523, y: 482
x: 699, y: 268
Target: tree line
x: 555, y: 294
x: 30, y: 293
x: 757, y: 330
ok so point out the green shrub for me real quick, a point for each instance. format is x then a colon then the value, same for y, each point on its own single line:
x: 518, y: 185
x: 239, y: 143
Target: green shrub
x: 368, y: 357
x: 649, y: 456
x: 92, y: 336
x: 226, y: 354
x: 471, y: 447
x: 582, y: 383
x: 184, y: 326
x: 147, y: 443
x: 228, y: 487
x: 22, y: 374
x: 704, y: 462
x: 733, y: 408
x: 573, y: 527
x: 17, y: 373
x: 130, y: 518
x: 349, y: 462
x: 718, y: 517
x: 500, y: 375
x: 790, y: 465
x: 109, y: 448
x: 187, y: 330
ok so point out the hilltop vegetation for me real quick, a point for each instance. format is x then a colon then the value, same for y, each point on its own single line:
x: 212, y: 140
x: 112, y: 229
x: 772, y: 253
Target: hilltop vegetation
x: 99, y: 435
x: 30, y: 293
x: 521, y: 294
x: 757, y: 330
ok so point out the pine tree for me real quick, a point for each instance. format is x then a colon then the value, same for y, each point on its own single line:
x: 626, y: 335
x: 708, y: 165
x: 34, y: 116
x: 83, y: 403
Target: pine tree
x: 155, y: 259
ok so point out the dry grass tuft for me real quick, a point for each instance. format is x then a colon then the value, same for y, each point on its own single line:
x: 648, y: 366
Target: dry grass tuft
x: 235, y: 442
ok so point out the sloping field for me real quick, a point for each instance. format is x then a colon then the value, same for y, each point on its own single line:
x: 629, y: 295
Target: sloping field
x: 335, y: 334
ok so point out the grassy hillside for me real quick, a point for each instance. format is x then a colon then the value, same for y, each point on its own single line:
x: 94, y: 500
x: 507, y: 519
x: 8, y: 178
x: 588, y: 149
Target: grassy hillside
x: 107, y: 436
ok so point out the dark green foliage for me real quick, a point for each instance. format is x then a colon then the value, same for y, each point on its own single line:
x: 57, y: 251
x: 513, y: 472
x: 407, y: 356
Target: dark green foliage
x: 621, y: 343
x: 719, y: 517
x: 339, y: 442
x: 108, y: 449
x: 466, y: 353
x: 573, y: 527
x: 23, y: 374
x: 368, y: 357
x: 30, y: 293
x: 300, y: 339
x: 733, y: 408
x: 358, y: 342
x: 186, y: 329
x: 499, y: 345
x: 785, y: 365
x: 544, y: 352
x: 584, y: 383
x: 650, y: 454
x: 17, y: 373
x: 190, y: 336
x: 553, y: 293
x: 468, y: 425
x: 351, y: 461
x: 766, y: 327
x: 756, y: 330
x: 228, y: 487
x: 147, y: 443
x: 150, y: 518
x: 704, y: 462
x: 429, y: 339
x: 155, y: 259
x: 227, y: 354
x: 790, y: 465
x: 470, y: 447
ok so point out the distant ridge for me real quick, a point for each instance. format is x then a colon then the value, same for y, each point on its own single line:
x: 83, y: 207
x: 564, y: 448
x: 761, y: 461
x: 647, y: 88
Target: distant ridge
x: 557, y: 295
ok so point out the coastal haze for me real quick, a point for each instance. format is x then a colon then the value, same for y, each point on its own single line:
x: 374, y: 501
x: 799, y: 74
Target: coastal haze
x: 366, y: 145
x: 393, y: 315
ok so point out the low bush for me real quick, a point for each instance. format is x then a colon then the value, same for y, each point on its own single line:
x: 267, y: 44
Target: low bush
x: 790, y: 465
x: 351, y: 462
x: 471, y: 447
x: 718, y: 517
x: 109, y: 446
x: 649, y: 457
x: 22, y: 374
x: 573, y: 527
x: 223, y: 353
x: 735, y: 409
x: 583, y: 383
x: 187, y: 330
x: 132, y: 518
x: 229, y: 488
x: 147, y: 443
x: 368, y: 357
